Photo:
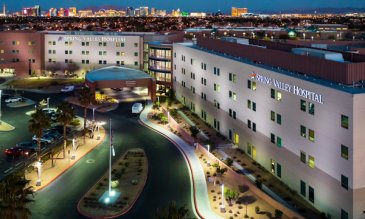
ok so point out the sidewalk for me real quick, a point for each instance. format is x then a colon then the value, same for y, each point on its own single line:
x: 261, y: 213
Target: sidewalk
x: 199, y: 192
x: 61, y: 165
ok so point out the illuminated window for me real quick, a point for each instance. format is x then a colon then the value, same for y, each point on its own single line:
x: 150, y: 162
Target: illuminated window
x: 303, y: 131
x: 249, y: 104
x: 251, y: 85
x: 278, y: 94
x: 303, y: 106
x: 273, y: 116
x: 344, y: 121
x: 344, y: 152
x: 311, y: 162
x: 311, y: 108
x: 311, y: 135
x: 217, y: 87
x: 232, y: 77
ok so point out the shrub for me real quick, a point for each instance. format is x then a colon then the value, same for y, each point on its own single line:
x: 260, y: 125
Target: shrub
x: 278, y: 213
x: 257, y: 209
x: 75, y: 122
x: 229, y: 162
x: 164, y: 119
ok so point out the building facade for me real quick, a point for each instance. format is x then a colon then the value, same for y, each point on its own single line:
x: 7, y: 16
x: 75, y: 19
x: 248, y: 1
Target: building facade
x: 307, y: 132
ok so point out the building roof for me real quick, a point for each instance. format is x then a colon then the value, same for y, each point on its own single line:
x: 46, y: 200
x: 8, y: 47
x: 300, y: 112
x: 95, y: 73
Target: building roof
x: 115, y: 73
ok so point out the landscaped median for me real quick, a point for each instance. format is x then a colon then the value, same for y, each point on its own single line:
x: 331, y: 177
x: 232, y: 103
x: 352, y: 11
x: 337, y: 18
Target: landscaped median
x: 62, y: 164
x: 5, y: 127
x: 129, y: 176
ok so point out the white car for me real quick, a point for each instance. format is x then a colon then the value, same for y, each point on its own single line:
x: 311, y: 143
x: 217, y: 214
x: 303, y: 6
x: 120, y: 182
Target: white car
x: 137, y: 108
x: 13, y: 99
x: 68, y: 88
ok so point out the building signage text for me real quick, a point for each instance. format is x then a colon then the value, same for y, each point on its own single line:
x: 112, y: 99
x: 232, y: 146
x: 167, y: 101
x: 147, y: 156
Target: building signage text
x: 92, y: 38
x: 290, y: 88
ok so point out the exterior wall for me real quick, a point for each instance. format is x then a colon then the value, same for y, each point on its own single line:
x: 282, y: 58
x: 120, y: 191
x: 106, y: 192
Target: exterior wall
x: 20, y: 47
x: 329, y: 196
x: 132, y: 44
x: 160, y: 63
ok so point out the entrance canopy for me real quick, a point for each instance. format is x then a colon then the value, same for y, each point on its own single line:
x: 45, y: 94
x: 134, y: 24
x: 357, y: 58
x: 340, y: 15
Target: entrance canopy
x: 119, y: 77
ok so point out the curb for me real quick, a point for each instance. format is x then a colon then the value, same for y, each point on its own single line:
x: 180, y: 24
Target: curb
x: 186, y: 159
x: 125, y: 211
x: 62, y: 172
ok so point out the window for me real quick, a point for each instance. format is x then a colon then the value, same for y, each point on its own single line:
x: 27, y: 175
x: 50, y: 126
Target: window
x: 192, y: 75
x: 254, y: 127
x: 216, y: 71
x: 344, y: 182
x: 272, y: 93
x: 135, y: 63
x: 311, y: 135
x: 311, y: 162
x: 135, y: 44
x: 249, y: 124
x: 311, y: 108
x: 278, y: 119
x: 216, y: 104
x: 303, y: 106
x: 251, y: 85
x: 232, y: 77
x: 311, y: 194
x: 249, y: 104
x: 303, y: 186
x: 344, y: 214
x: 249, y: 148
x: 303, y: 157
x: 254, y: 106
x: 217, y: 87
x: 136, y: 54
x: 272, y: 138
x: 344, y: 121
x: 191, y: 61
x: 203, y: 81
x: 203, y: 66
x: 278, y: 170
x: 232, y: 95
x: 234, y: 114
x: 303, y: 131
x: 272, y: 116
x: 216, y: 124
x: 230, y: 134
x: 279, y: 142
x: 278, y: 96
x: 344, y: 152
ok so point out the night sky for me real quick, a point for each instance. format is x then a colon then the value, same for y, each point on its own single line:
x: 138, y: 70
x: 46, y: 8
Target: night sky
x: 191, y: 5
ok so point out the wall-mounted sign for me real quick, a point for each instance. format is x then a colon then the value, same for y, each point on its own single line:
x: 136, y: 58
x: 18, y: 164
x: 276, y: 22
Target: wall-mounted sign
x: 92, y: 38
x: 296, y: 90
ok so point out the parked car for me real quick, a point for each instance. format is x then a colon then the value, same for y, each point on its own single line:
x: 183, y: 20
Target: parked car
x: 13, y: 152
x: 46, y: 138
x: 59, y: 128
x: 13, y: 99
x: 27, y: 145
x: 68, y: 88
x: 137, y: 108
x: 54, y: 133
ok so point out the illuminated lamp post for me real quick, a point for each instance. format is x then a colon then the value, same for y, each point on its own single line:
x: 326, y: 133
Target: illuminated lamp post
x: 223, y: 207
x: 111, y: 152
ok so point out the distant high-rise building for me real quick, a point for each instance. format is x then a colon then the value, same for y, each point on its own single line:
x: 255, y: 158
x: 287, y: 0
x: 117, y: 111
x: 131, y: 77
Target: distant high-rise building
x: 130, y: 11
x: 161, y: 13
x: 37, y: 10
x: 237, y: 12
x: 85, y: 13
x: 4, y: 11
x: 61, y: 12
x: 33, y: 11
x: 153, y: 11
x: 143, y: 11
x: 176, y: 13
x: 52, y: 12
x: 72, y: 12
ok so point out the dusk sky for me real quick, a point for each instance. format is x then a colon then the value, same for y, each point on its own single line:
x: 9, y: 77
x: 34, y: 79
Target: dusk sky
x: 191, y: 5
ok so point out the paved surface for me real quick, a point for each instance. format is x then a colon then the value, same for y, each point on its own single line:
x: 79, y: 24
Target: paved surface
x: 168, y: 179
x: 201, y: 196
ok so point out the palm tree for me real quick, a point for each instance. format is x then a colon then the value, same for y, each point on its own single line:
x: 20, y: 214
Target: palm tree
x: 65, y: 117
x: 38, y: 122
x: 14, y: 197
x: 172, y: 212
x: 86, y: 97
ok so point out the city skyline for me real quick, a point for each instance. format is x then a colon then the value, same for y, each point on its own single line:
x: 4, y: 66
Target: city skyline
x: 215, y: 5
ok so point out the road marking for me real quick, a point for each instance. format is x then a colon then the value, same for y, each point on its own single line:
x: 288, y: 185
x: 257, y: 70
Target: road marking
x: 8, y: 170
x: 16, y: 165
x: 90, y: 161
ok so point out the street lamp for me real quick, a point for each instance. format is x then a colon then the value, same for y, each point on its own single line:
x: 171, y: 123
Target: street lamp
x: 39, y: 169
x: 222, y: 206
x: 94, y: 114
x: 111, y: 152
x: 73, y: 156
x: 208, y: 162
x: 48, y: 102
x: 303, y: 36
x: 0, y: 107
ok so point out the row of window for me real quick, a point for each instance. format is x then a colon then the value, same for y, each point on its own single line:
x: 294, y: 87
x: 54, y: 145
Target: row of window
x: 87, y: 61
x: 276, y: 140
x: 311, y: 160
x: 16, y: 43
x: 69, y: 43
x: 275, y: 117
x: 83, y: 52
x: 303, y: 133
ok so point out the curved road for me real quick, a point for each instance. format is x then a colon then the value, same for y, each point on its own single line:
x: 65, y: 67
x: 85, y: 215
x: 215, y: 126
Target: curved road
x: 168, y: 175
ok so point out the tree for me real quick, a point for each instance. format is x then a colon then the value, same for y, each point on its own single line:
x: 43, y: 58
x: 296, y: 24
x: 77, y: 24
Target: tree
x: 86, y: 98
x: 38, y: 122
x: 229, y: 161
x: 194, y: 131
x: 231, y: 195
x: 14, y: 197
x: 70, y: 68
x: 172, y: 212
x: 65, y: 117
x: 53, y: 67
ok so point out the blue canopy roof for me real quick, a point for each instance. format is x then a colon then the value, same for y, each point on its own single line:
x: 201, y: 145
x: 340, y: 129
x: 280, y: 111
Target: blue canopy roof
x: 115, y: 73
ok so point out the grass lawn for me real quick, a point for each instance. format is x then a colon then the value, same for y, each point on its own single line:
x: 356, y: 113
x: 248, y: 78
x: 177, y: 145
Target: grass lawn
x: 35, y: 83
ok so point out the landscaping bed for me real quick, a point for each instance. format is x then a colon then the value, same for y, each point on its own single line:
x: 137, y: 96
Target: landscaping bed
x: 129, y: 176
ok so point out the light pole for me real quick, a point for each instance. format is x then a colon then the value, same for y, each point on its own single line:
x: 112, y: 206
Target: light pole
x: 303, y: 36
x: 39, y: 169
x: 222, y: 206
x: 208, y: 162
x: 73, y: 156
x: 0, y: 107
x: 111, y: 152
x: 94, y: 114
x: 48, y: 102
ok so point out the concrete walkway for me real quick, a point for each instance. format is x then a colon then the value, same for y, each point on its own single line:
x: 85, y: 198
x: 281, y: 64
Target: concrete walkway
x: 199, y: 189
